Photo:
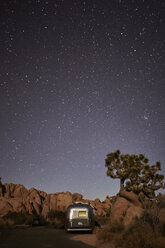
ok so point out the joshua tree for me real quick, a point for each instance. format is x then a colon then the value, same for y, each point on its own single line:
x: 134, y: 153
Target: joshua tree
x: 135, y: 173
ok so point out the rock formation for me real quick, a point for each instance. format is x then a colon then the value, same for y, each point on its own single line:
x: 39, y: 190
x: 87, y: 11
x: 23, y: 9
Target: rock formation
x: 16, y: 198
x: 126, y: 208
x: 15, y: 190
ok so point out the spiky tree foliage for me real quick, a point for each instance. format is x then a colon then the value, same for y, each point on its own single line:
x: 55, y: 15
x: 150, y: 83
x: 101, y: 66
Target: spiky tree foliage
x: 135, y: 173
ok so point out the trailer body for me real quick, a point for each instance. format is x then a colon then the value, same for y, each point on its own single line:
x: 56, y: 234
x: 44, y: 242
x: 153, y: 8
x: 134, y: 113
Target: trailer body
x: 79, y: 217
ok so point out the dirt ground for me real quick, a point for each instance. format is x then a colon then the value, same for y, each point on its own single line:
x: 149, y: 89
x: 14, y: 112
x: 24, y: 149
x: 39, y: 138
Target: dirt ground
x: 89, y: 239
x: 42, y: 237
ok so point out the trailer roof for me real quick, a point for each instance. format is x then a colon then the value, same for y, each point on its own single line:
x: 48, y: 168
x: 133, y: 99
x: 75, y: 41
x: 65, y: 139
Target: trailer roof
x: 80, y: 204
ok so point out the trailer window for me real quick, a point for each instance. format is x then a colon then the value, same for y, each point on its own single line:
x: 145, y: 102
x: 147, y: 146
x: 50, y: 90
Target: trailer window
x: 82, y: 214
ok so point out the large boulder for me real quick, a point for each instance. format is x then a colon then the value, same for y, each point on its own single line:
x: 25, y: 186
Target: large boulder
x: 15, y: 190
x: 125, y: 209
x: 9, y: 189
x: 17, y: 205
x: 98, y: 205
x: 34, y: 196
x: 49, y: 203
x: 37, y: 208
x: 131, y: 197
x: 5, y: 206
x: 77, y: 197
x: 29, y: 206
x: 57, y: 202
x: 42, y: 194
x: 64, y: 200
x: 11, y: 205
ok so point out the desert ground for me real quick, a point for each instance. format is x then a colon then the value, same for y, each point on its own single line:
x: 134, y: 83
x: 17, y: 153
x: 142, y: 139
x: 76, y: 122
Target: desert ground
x: 42, y: 237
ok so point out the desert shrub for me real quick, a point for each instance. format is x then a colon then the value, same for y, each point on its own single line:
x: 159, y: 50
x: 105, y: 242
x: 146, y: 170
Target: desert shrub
x: 116, y: 227
x: 137, y: 236
x: 160, y: 199
x: 140, y: 235
x: 11, y: 219
x: 6, y: 223
x: 10, y: 223
x: 2, y: 223
x: 159, y: 242
x: 29, y: 219
x: 111, y: 233
x: 16, y: 218
x: 55, y: 214
x: 145, y: 232
x: 42, y: 220
x: 162, y: 228
x: 104, y: 235
x: 56, y: 219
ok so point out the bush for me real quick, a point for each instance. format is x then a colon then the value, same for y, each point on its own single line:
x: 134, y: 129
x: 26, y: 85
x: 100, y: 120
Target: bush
x: 16, y: 218
x: 29, y: 219
x: 6, y: 223
x: 137, y: 236
x: 146, y: 232
x: 11, y: 219
x: 141, y: 235
x: 111, y: 233
x: 56, y: 219
x: 162, y: 228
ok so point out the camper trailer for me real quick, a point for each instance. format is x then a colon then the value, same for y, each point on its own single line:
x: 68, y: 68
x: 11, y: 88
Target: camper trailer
x: 79, y: 217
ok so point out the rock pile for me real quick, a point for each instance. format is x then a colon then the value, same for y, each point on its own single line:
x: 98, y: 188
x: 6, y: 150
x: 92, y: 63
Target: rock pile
x: 16, y: 198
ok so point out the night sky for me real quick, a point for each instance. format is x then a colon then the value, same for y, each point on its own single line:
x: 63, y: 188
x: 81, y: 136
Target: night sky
x: 78, y: 80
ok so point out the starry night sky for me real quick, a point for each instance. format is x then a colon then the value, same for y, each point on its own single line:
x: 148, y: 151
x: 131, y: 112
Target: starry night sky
x: 79, y: 79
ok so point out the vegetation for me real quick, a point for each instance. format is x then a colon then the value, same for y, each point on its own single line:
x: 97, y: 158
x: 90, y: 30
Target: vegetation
x: 11, y: 219
x: 16, y: 218
x: 135, y: 173
x: 56, y: 219
x: 146, y: 232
